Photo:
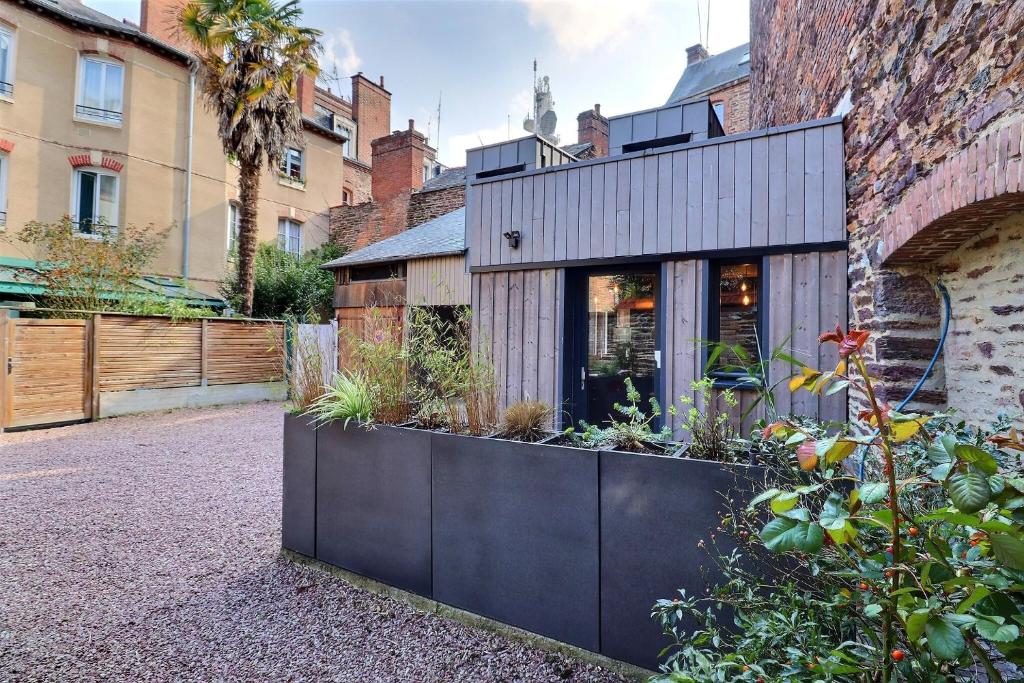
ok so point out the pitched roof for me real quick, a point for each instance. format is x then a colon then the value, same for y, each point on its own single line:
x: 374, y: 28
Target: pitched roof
x: 712, y: 73
x: 577, y: 149
x: 448, y: 178
x: 75, y: 12
x: 440, y: 236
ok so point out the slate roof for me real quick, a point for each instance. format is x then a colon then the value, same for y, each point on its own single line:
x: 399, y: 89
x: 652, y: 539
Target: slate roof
x: 440, y: 236
x: 76, y: 12
x: 712, y: 73
x: 577, y: 149
x: 448, y: 178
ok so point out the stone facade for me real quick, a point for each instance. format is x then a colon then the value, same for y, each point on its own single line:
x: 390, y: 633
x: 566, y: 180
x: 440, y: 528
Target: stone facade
x: 932, y: 97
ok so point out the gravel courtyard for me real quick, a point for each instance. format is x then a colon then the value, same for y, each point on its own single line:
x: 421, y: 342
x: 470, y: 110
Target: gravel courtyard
x: 146, y: 548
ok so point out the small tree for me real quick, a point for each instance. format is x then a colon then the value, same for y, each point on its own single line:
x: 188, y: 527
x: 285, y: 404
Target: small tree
x: 287, y: 286
x: 94, y: 273
x: 250, y: 55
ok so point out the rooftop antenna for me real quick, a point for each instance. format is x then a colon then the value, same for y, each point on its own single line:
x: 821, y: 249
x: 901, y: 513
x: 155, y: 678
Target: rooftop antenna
x: 707, y: 28
x: 438, y: 133
x: 536, y: 110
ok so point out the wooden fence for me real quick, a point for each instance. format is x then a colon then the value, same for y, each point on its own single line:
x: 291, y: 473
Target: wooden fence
x: 106, y: 364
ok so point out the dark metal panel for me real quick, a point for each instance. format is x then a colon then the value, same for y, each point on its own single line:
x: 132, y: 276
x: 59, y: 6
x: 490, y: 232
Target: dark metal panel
x: 509, y: 154
x: 726, y: 196
x: 654, y: 512
x: 670, y: 121
x: 636, y: 207
x: 516, y: 534
x: 645, y: 126
x: 759, y: 183
x: 620, y: 132
x: 492, y: 157
x: 679, y: 201
x: 373, y: 503
x: 795, y: 187
x: 709, y: 224
x: 742, y: 195
x: 298, y: 493
x: 474, y: 161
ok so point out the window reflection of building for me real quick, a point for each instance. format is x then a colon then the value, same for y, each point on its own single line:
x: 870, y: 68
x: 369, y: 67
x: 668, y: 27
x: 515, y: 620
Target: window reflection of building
x: 622, y: 319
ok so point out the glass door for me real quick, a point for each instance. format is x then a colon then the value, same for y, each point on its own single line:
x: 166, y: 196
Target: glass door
x: 621, y: 341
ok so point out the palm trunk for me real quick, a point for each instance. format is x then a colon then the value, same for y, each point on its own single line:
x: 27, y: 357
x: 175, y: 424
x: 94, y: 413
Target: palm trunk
x: 248, y: 196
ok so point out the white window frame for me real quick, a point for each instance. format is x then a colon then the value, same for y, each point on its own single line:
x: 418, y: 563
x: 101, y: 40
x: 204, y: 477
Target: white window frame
x: 5, y: 160
x: 283, y: 238
x: 349, y: 145
x: 234, y: 222
x: 9, y: 32
x: 286, y: 160
x: 76, y: 179
x: 113, y: 122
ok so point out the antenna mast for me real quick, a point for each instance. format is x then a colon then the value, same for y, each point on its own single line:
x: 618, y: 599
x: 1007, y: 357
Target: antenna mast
x: 438, y: 132
x: 536, y: 111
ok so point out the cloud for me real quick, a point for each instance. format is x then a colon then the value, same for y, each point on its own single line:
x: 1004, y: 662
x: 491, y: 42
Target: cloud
x: 454, y: 149
x: 581, y: 26
x: 340, y: 53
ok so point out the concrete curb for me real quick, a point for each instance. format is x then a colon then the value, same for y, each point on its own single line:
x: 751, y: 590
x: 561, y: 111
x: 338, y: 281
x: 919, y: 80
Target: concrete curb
x: 629, y: 671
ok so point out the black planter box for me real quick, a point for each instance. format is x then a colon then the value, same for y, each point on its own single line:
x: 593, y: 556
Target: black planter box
x: 373, y: 503
x: 516, y: 534
x: 654, y: 512
x: 298, y: 494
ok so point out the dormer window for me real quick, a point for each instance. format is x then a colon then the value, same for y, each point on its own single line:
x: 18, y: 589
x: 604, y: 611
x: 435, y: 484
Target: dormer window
x: 100, y: 91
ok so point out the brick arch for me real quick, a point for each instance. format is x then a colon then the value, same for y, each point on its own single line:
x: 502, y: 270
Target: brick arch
x: 79, y: 160
x: 961, y: 196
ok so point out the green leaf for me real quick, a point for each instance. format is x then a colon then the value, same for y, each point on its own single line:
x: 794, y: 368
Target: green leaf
x: 996, y: 630
x: 940, y: 472
x: 834, y: 513
x: 783, y: 534
x: 762, y: 497
x: 979, y: 593
x: 943, y: 449
x: 944, y: 639
x: 873, y: 492
x: 872, y: 610
x: 837, y: 387
x: 784, y: 501
x: 799, y: 437
x: 969, y: 491
x: 915, y: 624
x: 1009, y: 550
x: 983, y: 460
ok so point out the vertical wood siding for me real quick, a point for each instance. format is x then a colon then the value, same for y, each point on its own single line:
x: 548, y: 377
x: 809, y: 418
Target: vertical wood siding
x: 438, y: 281
x: 780, y: 189
x: 517, y: 320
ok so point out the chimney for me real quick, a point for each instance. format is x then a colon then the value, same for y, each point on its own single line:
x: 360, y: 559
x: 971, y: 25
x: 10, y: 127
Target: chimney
x: 371, y: 109
x: 159, y: 18
x: 696, y: 53
x: 593, y: 128
x: 305, y: 92
x: 397, y: 163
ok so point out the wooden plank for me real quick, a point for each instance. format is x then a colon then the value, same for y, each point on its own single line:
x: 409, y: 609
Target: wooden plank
x: 6, y: 397
x: 484, y: 258
x: 834, y: 192
x: 497, y: 241
x: 650, y: 212
x: 806, y: 293
x: 516, y: 304
x: 546, y: 338
x: 550, y: 189
x: 663, y: 215
x: 559, y: 312
x: 95, y: 349
x: 694, y: 199
x: 777, y: 190
x: 780, y: 324
x: 795, y: 187
x: 596, y: 211
x: 679, y: 187
x: 667, y: 352
x: 572, y: 215
x: 743, y: 194
x: 561, y: 207
x: 814, y: 185
x: 505, y: 251
x: 622, y: 208
x: 636, y: 207
x: 709, y: 224
x: 204, y: 351
x: 538, y: 218
x: 531, y: 316
x: 832, y: 311
x: 516, y: 219
x: 473, y: 227
x: 501, y: 335
x: 585, y: 207
x: 610, y: 212
x: 726, y: 196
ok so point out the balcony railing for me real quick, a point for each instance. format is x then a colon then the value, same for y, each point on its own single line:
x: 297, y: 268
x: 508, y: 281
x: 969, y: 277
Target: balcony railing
x: 6, y: 89
x: 3, y: 218
x: 104, y: 115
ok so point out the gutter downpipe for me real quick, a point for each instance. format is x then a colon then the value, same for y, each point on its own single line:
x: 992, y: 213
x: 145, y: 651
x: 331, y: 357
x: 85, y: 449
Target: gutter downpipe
x: 186, y: 236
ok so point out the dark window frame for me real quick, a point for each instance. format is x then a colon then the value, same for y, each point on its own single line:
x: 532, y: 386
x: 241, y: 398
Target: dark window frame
x: 713, y: 300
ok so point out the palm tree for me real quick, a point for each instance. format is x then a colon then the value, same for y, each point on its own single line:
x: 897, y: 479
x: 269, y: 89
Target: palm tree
x: 250, y: 55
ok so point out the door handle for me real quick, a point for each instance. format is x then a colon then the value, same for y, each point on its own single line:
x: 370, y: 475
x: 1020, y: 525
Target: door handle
x: 583, y: 378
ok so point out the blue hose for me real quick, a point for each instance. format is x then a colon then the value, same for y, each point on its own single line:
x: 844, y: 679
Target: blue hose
x: 927, y: 373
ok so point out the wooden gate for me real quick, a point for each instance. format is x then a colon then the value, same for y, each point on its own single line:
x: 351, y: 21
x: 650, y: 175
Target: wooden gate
x: 47, y: 374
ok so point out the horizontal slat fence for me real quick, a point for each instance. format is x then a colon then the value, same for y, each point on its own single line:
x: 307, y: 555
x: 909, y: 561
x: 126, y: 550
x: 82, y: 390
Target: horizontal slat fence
x: 149, y: 353
x: 248, y: 353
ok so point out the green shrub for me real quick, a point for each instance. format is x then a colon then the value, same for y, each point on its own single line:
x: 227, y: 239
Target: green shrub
x: 528, y: 421
x: 347, y: 398
x: 286, y: 285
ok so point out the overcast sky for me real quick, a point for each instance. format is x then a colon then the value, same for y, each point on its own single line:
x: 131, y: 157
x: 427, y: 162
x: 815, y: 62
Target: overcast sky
x: 477, y: 55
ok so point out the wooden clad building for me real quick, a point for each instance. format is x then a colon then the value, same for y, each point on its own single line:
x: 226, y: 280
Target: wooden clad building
x: 587, y: 272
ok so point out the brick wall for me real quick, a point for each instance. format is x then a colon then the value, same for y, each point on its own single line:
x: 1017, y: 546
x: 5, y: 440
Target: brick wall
x: 371, y: 108
x: 397, y: 165
x: 424, y: 206
x: 358, y: 179
x: 736, y: 98
x: 919, y: 83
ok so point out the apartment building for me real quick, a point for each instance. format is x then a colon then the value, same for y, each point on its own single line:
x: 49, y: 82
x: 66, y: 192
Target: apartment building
x: 100, y: 120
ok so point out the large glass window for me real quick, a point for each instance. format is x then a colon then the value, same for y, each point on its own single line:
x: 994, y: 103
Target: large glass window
x: 735, y: 313
x: 291, y: 163
x: 95, y: 200
x: 6, y: 62
x: 289, y: 236
x: 100, y: 91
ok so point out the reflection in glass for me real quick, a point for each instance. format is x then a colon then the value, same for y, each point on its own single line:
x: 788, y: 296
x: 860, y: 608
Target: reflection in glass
x: 737, y: 309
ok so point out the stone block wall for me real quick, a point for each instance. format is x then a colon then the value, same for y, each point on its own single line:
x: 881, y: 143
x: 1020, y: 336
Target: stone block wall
x: 919, y: 83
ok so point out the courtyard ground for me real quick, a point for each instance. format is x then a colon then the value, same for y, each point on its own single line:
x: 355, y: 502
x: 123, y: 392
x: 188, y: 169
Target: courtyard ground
x: 146, y: 548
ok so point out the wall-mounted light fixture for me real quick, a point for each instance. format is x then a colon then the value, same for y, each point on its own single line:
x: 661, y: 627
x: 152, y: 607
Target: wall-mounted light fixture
x: 513, y: 238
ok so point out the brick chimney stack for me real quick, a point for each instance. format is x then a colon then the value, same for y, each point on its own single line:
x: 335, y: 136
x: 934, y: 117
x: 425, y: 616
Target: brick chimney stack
x: 397, y: 166
x: 305, y: 91
x: 593, y: 128
x: 371, y: 108
x: 696, y: 53
x: 159, y: 18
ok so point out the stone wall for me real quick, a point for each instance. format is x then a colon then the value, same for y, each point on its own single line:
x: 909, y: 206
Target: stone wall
x: 918, y: 83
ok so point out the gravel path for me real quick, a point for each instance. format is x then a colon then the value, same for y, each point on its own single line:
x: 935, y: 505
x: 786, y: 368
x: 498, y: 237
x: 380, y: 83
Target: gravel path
x: 146, y: 549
